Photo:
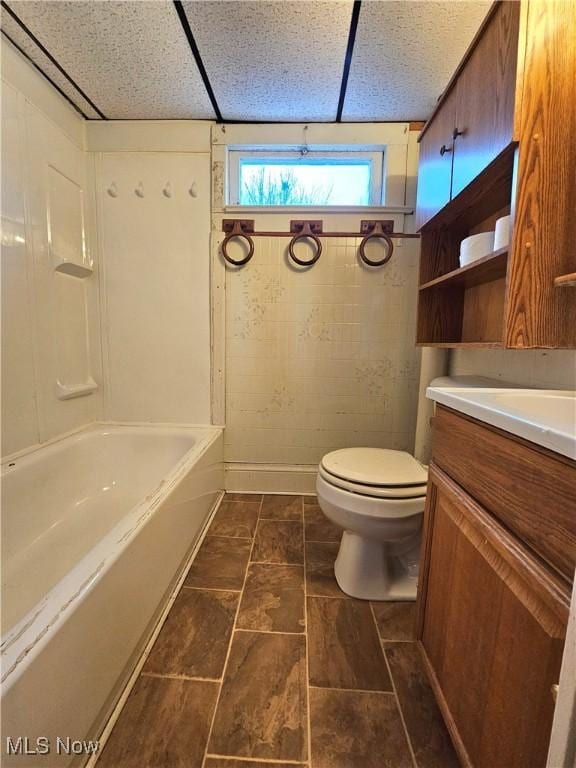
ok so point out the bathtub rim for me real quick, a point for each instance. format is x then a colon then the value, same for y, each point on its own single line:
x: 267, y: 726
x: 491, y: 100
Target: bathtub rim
x: 26, y: 639
x: 93, y: 426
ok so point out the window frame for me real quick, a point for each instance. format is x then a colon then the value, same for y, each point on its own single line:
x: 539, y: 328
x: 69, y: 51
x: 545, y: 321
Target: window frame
x: 377, y: 160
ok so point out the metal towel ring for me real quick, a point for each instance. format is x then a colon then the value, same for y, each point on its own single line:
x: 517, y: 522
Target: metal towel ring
x: 237, y: 231
x: 305, y: 233
x: 377, y: 233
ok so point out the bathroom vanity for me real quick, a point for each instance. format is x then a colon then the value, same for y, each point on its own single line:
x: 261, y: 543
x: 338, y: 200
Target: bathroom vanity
x: 498, y: 557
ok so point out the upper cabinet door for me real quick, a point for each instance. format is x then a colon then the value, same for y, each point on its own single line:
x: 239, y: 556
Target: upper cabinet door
x: 539, y: 312
x: 435, y: 164
x: 485, y: 97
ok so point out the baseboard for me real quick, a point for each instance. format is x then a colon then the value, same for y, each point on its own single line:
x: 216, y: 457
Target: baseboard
x: 270, y: 478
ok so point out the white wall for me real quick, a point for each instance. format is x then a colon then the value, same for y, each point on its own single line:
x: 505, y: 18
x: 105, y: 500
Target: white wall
x: 49, y: 319
x: 155, y: 279
x: 540, y: 368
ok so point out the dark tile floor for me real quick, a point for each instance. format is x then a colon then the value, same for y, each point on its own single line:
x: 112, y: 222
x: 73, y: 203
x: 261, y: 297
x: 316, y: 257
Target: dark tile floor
x: 264, y: 661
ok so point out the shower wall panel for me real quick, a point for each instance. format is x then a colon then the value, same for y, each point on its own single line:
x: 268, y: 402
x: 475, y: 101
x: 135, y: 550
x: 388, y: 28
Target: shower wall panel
x: 51, y: 372
x: 154, y: 229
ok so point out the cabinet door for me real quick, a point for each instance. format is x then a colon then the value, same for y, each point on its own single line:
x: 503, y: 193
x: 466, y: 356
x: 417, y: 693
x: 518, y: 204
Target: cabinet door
x: 485, y: 97
x: 491, y: 625
x: 435, y: 164
x: 539, y: 314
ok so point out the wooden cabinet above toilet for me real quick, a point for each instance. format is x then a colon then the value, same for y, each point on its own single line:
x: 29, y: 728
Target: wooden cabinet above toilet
x: 501, y: 142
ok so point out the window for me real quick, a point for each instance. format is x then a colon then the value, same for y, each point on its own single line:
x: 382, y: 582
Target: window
x: 294, y: 178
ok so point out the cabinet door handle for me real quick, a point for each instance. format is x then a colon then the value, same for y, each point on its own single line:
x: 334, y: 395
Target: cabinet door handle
x: 444, y: 149
x: 456, y: 133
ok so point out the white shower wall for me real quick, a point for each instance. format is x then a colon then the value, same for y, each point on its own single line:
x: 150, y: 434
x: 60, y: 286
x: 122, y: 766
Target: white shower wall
x: 50, y: 324
x: 138, y: 326
x: 154, y: 246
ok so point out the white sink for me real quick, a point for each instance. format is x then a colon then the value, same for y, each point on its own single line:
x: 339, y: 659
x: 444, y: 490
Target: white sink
x: 546, y: 417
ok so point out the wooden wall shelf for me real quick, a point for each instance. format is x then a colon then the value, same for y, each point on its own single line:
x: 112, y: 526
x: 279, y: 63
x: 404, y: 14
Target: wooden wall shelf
x: 484, y: 270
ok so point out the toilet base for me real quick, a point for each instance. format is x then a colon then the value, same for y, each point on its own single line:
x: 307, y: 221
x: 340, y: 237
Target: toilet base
x: 369, y: 570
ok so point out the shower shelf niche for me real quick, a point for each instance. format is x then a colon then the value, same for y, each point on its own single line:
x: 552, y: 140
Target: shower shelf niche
x: 70, y: 391
x: 66, y: 230
x: 73, y: 268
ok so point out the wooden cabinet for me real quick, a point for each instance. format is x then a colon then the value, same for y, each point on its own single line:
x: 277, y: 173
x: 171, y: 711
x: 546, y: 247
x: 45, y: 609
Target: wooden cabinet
x: 512, y: 108
x: 435, y: 162
x: 474, y: 123
x: 541, y: 293
x: 485, y: 97
x: 492, y: 614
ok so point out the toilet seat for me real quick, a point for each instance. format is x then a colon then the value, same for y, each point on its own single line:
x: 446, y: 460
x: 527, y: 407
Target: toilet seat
x: 374, y: 491
x: 375, y: 472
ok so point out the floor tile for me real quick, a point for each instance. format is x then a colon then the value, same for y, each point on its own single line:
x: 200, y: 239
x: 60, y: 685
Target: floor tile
x: 236, y: 519
x: 318, y: 527
x: 154, y: 728
x: 262, y: 708
x: 395, y: 620
x: 220, y: 564
x: 320, y: 579
x: 356, y: 730
x: 278, y: 541
x: 343, y: 646
x: 273, y: 599
x: 310, y: 500
x: 195, y: 637
x: 234, y: 496
x: 430, y: 740
x: 222, y: 762
x: 282, y: 508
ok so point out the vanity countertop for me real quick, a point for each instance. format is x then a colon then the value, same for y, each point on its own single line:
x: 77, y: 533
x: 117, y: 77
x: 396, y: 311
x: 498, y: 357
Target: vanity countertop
x: 545, y: 417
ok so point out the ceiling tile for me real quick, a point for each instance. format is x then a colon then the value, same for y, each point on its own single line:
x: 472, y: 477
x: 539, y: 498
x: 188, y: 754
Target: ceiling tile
x: 24, y: 42
x: 405, y: 54
x: 268, y: 60
x: 131, y: 57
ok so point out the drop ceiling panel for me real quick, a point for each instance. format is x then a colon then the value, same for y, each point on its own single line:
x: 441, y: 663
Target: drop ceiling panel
x: 277, y: 61
x: 405, y: 54
x: 131, y: 58
x: 24, y: 42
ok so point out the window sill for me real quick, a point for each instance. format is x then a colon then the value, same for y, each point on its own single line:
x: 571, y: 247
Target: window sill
x: 404, y: 209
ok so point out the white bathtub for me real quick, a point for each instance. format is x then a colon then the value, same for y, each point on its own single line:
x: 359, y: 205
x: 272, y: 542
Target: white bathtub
x: 96, y: 528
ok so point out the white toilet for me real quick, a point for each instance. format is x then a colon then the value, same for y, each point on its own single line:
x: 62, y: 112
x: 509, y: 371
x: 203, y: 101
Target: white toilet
x: 377, y: 496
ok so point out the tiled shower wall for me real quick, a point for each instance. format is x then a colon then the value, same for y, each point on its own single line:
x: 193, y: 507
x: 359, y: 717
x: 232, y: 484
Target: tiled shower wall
x: 320, y: 358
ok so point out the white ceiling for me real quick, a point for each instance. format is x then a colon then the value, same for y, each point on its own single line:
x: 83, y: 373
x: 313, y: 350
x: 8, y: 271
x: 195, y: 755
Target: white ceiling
x: 266, y: 60
x: 277, y: 61
x: 129, y: 56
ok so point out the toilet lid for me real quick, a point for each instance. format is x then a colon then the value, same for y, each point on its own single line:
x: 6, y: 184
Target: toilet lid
x: 390, y: 492
x: 377, y: 467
